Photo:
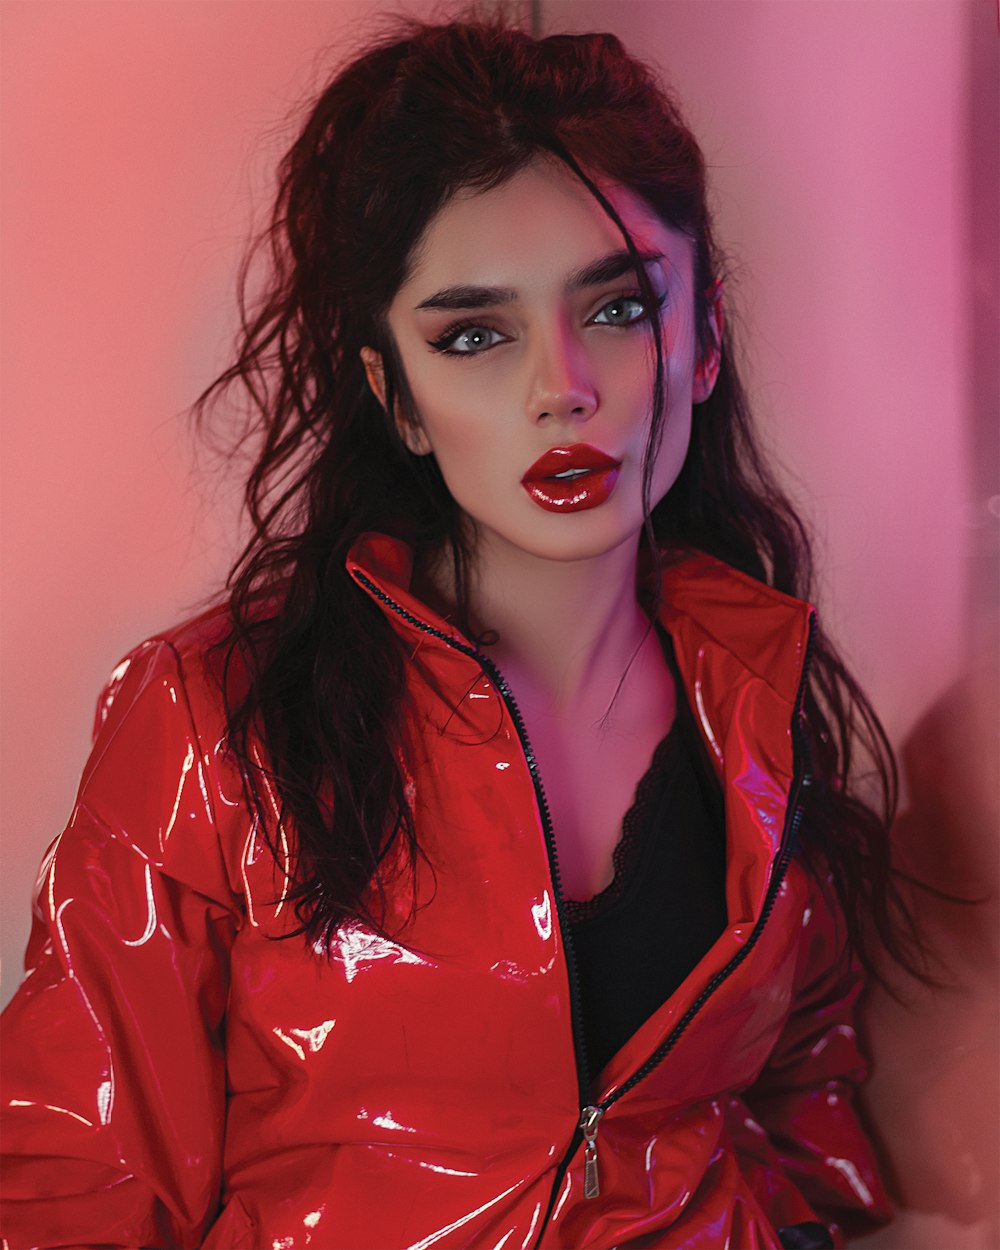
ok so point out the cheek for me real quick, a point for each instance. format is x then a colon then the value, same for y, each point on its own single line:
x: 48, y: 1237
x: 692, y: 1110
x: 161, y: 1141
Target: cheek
x: 458, y: 434
x: 677, y: 423
x: 680, y: 345
x: 461, y: 409
x: 673, y: 447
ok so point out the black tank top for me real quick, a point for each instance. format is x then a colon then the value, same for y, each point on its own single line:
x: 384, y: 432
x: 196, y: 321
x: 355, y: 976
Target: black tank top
x: 638, y: 939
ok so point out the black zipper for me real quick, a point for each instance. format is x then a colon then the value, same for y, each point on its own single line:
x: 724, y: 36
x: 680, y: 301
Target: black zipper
x: 591, y: 1113
x: 793, y: 819
x: 590, y: 1120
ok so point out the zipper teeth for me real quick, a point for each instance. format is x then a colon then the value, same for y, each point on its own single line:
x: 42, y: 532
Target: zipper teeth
x: 777, y: 876
x: 579, y: 1044
x: 414, y: 620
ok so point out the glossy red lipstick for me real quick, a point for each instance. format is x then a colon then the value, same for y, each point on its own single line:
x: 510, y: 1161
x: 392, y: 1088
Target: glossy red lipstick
x: 571, y: 479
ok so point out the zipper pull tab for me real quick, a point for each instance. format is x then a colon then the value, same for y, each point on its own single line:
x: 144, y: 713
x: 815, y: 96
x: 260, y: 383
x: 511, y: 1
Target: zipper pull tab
x: 589, y: 1121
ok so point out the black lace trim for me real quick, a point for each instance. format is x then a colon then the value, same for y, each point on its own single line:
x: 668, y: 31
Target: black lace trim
x: 629, y: 847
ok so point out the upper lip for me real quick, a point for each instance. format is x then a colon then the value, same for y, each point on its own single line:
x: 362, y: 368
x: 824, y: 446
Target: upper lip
x: 560, y: 459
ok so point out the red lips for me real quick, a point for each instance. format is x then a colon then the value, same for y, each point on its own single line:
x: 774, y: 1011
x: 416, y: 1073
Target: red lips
x: 591, y: 477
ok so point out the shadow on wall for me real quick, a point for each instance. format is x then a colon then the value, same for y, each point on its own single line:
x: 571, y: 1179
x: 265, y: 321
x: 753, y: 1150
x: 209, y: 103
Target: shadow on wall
x: 935, y: 1094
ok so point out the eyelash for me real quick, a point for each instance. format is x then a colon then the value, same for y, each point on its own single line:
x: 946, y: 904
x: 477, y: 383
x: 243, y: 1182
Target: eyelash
x: 455, y: 332
x: 443, y: 344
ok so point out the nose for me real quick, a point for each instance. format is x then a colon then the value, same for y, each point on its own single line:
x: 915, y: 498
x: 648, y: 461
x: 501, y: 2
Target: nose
x: 563, y: 385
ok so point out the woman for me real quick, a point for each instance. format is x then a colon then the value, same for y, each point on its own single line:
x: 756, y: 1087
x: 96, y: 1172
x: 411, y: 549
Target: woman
x: 490, y: 869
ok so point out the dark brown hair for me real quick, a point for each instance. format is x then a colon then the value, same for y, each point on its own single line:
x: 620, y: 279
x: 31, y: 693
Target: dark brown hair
x: 420, y: 114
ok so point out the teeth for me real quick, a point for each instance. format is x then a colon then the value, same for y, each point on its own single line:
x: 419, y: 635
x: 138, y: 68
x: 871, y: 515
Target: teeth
x: 570, y: 473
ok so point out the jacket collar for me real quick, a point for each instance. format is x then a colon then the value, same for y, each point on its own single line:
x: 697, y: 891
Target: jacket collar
x: 741, y: 649
x: 708, y: 604
x: 704, y: 604
x: 383, y: 566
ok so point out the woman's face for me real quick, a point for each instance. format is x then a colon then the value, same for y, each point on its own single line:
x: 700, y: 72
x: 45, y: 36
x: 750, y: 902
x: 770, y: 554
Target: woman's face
x: 528, y: 352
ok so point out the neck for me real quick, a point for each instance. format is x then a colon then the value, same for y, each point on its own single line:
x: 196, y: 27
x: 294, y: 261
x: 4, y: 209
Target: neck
x: 567, y: 631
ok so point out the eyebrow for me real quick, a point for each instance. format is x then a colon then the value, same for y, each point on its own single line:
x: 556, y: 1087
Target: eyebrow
x: 607, y: 269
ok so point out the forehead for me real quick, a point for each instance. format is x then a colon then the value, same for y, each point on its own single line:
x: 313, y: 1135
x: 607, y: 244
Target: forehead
x: 536, y: 227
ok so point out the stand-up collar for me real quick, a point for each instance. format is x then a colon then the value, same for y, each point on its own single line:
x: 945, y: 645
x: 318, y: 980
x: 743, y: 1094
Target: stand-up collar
x: 704, y: 602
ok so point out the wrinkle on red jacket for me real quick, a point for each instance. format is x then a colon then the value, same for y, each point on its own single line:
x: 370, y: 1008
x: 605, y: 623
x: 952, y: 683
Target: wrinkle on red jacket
x: 174, y: 1078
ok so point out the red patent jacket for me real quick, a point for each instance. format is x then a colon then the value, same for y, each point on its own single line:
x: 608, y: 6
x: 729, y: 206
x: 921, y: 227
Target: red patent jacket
x: 173, y: 1077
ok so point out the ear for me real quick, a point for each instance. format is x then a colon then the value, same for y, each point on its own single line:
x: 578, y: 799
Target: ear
x: 411, y: 433
x: 374, y: 372
x: 707, y: 368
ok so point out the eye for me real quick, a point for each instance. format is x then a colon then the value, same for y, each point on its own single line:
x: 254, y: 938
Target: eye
x: 467, y: 340
x: 624, y: 310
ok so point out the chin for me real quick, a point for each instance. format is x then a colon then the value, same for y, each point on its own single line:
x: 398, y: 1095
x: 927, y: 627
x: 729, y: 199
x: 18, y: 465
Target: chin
x: 576, y: 542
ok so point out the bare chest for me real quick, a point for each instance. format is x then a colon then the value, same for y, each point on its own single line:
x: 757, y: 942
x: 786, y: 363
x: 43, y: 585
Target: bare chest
x: 590, y: 771
x: 590, y: 785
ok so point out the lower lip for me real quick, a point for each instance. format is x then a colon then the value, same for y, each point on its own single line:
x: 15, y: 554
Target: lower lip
x: 576, y: 494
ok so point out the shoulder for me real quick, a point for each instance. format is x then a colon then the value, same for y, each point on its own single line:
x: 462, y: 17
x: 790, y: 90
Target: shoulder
x: 161, y: 729
x: 187, y: 661
x: 158, y: 788
x: 203, y: 658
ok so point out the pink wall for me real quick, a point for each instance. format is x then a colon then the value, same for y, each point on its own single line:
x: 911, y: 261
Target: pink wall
x: 849, y: 179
